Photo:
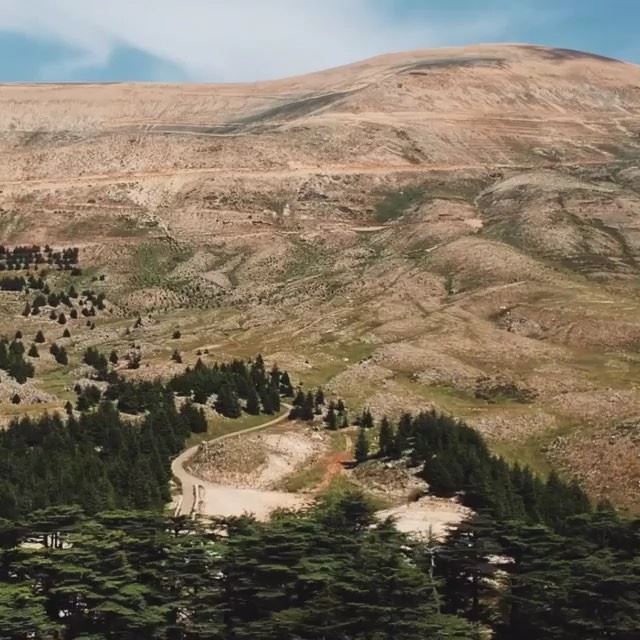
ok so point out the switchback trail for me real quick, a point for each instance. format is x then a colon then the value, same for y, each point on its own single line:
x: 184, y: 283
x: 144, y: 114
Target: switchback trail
x: 207, y: 498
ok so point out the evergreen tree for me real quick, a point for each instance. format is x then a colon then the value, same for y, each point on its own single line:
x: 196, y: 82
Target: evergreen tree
x: 194, y: 418
x: 33, y: 351
x: 362, y: 446
x: 443, y: 475
x: 331, y: 419
x: 133, y: 360
x: 464, y: 565
x: 16, y: 348
x: 404, y: 435
x: 303, y: 406
x: 298, y: 401
x: 270, y: 399
x: 366, y: 419
x: 39, y: 337
x: 61, y: 356
x: 386, y: 438
x: 253, y: 402
x: 286, y: 388
x: 228, y: 403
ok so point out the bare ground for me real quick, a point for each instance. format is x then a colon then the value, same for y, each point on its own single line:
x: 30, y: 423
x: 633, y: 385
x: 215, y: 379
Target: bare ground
x: 428, y: 517
x: 258, y: 461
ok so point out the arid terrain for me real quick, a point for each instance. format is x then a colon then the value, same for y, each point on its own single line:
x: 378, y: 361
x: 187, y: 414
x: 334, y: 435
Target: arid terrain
x: 456, y: 227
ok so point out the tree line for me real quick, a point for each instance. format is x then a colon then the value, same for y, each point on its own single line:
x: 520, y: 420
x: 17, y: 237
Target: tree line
x: 234, y: 386
x: 455, y: 459
x: 97, y: 460
x: 101, y: 459
x: 26, y: 256
x: 538, y: 561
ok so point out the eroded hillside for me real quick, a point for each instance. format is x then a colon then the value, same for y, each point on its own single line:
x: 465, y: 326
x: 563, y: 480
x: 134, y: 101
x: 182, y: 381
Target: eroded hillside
x: 454, y: 227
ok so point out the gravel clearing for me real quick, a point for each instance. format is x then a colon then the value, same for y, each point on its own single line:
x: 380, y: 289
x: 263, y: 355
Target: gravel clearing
x: 260, y: 460
x: 429, y: 516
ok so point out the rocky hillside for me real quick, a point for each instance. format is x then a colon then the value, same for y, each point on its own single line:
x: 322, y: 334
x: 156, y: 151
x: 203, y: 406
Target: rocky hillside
x: 458, y: 227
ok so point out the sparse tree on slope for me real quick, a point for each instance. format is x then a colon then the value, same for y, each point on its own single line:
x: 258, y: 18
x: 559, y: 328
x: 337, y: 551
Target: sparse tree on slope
x: 362, y: 446
x: 386, y: 438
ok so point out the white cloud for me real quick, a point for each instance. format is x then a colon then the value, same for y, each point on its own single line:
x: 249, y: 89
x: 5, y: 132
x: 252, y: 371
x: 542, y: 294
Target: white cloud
x: 239, y: 40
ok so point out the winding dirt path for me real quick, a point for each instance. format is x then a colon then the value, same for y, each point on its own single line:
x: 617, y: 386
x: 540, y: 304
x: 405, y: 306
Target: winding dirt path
x: 206, y: 498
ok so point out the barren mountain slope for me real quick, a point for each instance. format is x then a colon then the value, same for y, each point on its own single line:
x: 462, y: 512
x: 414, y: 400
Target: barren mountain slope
x: 458, y: 227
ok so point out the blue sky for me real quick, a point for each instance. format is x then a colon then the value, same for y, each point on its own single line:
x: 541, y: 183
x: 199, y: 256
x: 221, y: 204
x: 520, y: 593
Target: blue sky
x: 243, y: 40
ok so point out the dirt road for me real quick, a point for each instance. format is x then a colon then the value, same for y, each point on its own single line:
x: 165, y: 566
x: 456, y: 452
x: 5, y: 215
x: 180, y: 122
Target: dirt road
x: 276, y: 174
x: 206, y: 498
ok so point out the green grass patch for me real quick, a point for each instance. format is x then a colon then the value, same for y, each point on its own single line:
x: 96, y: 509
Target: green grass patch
x: 153, y: 262
x: 339, y: 442
x: 341, y: 484
x: 10, y: 410
x: 529, y: 452
x: 221, y: 426
x: 310, y: 477
x: 57, y: 382
x: 307, y: 258
x: 304, y: 479
x: 446, y: 397
x: 609, y: 370
x: 394, y: 204
x: 126, y: 227
x: 323, y: 373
